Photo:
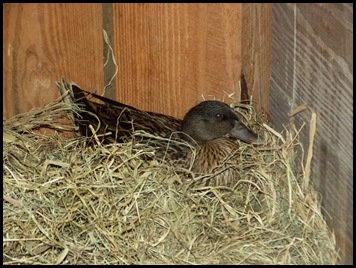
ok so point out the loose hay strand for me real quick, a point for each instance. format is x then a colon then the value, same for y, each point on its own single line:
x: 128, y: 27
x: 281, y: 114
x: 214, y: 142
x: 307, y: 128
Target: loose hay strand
x: 67, y: 203
x: 110, y: 51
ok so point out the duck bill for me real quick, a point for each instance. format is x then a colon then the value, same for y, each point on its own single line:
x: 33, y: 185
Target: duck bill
x: 241, y: 132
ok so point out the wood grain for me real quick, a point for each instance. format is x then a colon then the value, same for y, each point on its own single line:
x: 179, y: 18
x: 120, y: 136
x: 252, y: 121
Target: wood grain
x: 256, y: 38
x: 169, y: 55
x: 42, y: 43
x: 282, y: 83
x: 313, y: 66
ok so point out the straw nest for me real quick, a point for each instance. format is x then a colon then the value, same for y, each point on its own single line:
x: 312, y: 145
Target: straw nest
x: 68, y: 203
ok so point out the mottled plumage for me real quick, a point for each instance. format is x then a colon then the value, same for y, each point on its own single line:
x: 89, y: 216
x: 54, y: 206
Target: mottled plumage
x: 211, y: 127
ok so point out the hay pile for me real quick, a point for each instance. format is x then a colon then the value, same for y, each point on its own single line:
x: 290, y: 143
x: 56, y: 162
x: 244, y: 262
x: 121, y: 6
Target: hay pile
x: 67, y: 203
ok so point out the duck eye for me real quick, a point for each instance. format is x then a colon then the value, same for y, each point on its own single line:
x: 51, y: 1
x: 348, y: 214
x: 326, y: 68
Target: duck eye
x: 219, y: 116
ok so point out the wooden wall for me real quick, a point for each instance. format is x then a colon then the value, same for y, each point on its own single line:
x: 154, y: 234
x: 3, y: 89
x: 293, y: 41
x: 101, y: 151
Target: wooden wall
x: 42, y: 43
x: 168, y: 55
x: 312, y: 64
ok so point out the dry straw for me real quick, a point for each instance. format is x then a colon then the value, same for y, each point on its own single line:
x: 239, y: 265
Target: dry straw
x: 68, y: 203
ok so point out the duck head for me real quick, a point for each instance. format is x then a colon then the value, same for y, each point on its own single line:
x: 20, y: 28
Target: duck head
x: 215, y: 119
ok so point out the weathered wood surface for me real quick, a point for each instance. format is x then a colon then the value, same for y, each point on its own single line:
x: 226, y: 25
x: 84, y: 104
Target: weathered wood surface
x: 42, y: 43
x: 257, y: 52
x: 170, y: 55
x: 312, y: 64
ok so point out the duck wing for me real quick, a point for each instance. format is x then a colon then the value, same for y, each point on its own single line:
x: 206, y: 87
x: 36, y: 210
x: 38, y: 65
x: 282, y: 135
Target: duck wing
x: 112, y: 120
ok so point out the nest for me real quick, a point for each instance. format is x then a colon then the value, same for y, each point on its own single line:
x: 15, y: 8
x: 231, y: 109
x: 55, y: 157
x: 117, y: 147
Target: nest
x: 68, y: 203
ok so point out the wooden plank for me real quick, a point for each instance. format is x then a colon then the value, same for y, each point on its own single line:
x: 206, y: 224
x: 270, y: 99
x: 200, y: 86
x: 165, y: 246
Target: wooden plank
x: 109, y: 65
x: 169, y: 55
x: 322, y: 78
x: 42, y: 43
x: 282, y: 82
x: 256, y: 41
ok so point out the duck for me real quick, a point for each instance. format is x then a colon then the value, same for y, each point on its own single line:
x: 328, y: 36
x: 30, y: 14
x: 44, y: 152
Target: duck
x: 206, y: 138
